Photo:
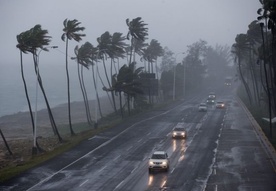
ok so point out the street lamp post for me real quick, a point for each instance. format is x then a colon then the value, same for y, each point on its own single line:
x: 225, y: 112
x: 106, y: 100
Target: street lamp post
x: 174, y: 71
x: 34, y: 150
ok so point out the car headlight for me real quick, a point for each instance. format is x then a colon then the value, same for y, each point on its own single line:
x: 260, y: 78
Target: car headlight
x: 150, y: 163
x: 164, y: 163
x: 182, y: 133
x: 174, y: 133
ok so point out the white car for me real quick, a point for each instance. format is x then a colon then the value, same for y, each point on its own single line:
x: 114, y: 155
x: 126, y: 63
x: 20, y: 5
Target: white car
x: 202, y: 107
x: 179, y: 132
x: 159, y: 160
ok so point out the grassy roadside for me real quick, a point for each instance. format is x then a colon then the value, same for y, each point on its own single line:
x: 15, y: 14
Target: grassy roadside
x: 68, y: 143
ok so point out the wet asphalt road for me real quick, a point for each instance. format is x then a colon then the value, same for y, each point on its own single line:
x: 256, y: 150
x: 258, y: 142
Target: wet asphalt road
x: 222, y: 152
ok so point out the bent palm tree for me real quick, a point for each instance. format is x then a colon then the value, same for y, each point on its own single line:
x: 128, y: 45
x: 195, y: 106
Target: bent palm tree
x: 71, y: 31
x: 137, y: 30
x: 83, y: 57
x: 31, y: 41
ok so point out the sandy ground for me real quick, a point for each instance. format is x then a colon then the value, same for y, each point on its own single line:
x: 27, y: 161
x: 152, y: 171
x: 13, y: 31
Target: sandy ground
x: 17, y: 129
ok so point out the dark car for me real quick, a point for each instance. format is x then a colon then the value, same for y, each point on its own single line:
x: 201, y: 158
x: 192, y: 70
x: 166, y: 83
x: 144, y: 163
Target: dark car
x: 210, y: 101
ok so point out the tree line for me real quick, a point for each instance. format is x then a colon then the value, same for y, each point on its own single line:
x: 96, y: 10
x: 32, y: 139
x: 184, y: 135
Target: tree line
x: 255, y: 58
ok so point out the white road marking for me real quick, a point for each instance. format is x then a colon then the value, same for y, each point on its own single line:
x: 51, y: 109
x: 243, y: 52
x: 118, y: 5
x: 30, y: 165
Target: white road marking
x: 129, y: 148
x: 119, y: 184
x: 102, y: 169
x: 116, y: 158
x: 172, y: 170
x: 134, y: 170
x: 83, y: 183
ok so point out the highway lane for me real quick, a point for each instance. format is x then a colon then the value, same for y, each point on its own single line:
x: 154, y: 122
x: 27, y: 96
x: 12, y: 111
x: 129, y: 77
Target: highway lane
x: 221, y: 152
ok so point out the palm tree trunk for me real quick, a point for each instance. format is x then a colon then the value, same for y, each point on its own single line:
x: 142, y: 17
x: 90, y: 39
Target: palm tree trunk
x: 84, y: 96
x: 121, y: 106
x: 51, y: 117
x: 112, y: 92
x: 6, y: 143
x: 109, y: 84
x: 26, y: 91
x: 68, y: 90
x: 104, y: 86
x: 267, y: 85
x: 244, y: 82
x: 96, y: 90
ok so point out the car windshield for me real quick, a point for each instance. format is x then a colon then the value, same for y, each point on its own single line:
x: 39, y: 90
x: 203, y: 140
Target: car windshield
x: 202, y: 104
x: 158, y: 156
x: 179, y: 129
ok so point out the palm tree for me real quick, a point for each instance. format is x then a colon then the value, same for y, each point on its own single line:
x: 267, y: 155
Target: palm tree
x: 240, y: 49
x: 31, y: 41
x: 113, y: 47
x: 136, y: 30
x: 254, y: 38
x: 83, y: 57
x: 71, y: 31
x: 104, y: 51
x: 94, y: 57
x: 118, y: 51
x: 126, y: 81
x: 21, y: 39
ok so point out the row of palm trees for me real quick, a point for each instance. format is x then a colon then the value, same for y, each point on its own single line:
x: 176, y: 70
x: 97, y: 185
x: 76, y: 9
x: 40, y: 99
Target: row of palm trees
x: 255, y: 55
x: 111, y: 47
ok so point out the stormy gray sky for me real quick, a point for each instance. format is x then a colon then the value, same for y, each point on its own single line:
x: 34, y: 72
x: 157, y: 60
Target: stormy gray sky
x: 174, y: 23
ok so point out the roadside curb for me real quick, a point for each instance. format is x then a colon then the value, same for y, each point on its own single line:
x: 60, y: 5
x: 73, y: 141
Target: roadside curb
x: 270, y: 150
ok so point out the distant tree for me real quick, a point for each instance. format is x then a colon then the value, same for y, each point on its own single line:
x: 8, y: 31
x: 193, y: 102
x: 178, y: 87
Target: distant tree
x: 166, y: 84
x: 71, y: 31
x: 167, y: 61
x: 218, y: 58
x: 194, y: 65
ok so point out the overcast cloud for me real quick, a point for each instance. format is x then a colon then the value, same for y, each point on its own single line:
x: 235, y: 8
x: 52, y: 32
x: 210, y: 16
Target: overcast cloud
x: 174, y: 23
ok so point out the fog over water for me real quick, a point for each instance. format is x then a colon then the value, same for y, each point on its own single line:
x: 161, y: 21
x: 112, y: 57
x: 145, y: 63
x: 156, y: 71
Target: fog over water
x: 13, y: 97
x: 174, y: 23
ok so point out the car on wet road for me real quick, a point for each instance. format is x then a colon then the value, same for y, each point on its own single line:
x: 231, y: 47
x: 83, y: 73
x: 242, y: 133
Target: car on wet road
x: 179, y: 132
x: 159, y: 160
x: 202, y: 107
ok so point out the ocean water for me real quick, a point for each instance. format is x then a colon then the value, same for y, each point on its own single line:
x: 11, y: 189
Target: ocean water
x: 12, y: 94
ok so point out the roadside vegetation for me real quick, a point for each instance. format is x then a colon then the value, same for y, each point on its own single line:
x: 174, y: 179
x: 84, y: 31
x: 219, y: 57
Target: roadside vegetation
x: 255, y: 57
